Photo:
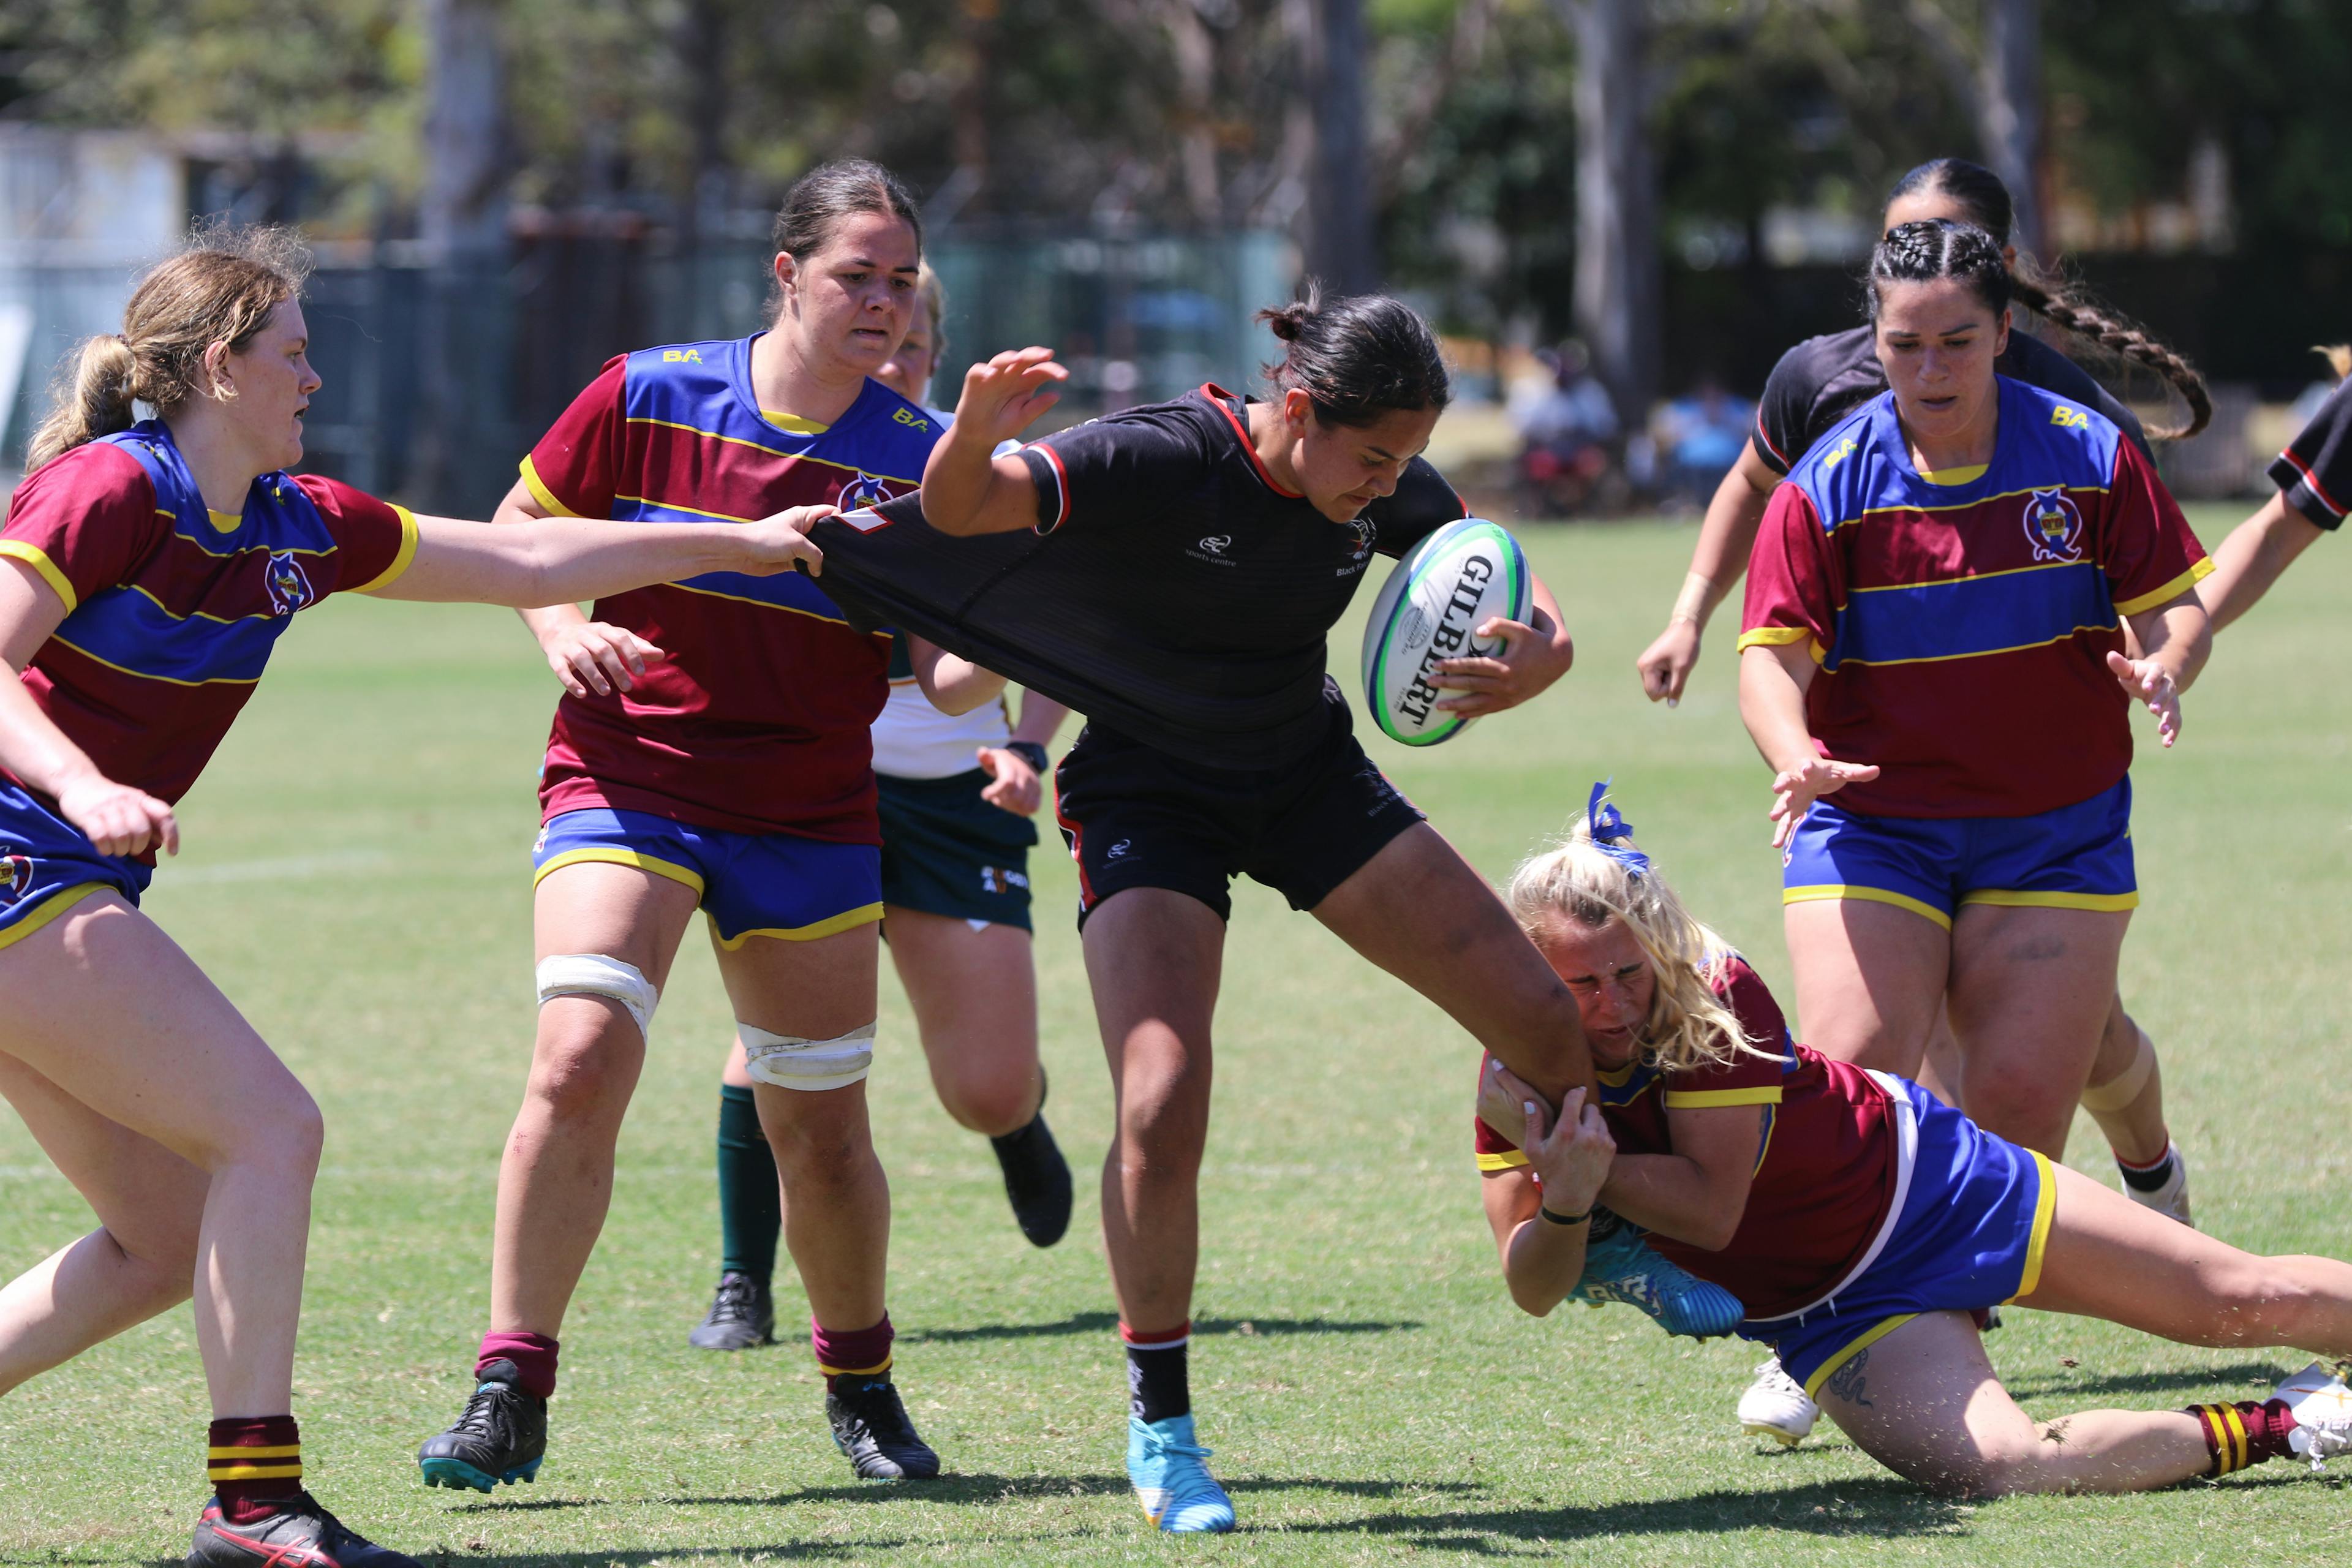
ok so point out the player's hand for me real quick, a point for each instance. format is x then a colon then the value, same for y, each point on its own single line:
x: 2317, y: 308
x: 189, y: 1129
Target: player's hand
x: 1794, y: 791
x: 1502, y: 1095
x: 2145, y: 680
x: 593, y: 656
x: 1531, y: 660
x: 1004, y: 396
x: 1572, y: 1152
x: 780, y: 543
x: 120, y: 820
x: 1015, y: 787
x: 1665, y: 665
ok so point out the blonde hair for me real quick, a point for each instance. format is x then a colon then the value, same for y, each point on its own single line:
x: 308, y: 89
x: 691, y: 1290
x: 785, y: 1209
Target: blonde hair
x: 220, y: 289
x: 1578, y: 880
x: 2339, y: 357
x: 934, y: 297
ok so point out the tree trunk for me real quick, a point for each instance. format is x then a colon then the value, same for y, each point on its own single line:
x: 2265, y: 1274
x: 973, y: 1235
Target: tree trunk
x: 2008, y: 110
x: 462, y: 438
x: 1617, y: 281
x: 1340, y: 247
x: 463, y: 206
x: 702, y: 44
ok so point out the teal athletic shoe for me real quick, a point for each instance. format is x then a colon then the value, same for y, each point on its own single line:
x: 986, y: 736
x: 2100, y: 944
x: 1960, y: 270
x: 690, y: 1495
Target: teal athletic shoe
x: 1621, y: 1267
x: 1174, y: 1487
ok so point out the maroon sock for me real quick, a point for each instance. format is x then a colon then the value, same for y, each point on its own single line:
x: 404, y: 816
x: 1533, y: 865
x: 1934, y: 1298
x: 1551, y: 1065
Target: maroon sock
x: 2246, y: 1433
x: 859, y: 1353
x: 533, y: 1356
x: 254, y: 1463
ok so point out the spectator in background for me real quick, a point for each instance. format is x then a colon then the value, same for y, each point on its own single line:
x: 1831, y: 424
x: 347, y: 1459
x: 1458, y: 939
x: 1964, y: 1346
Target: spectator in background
x: 1565, y: 436
x: 1702, y: 435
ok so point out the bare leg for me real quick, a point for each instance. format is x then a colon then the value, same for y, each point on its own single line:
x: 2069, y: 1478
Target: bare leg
x: 555, y: 1182
x: 2108, y: 1257
x: 140, y: 1261
x: 2031, y: 990
x: 1154, y: 958
x: 975, y: 994
x: 1923, y: 1402
x: 2135, y: 1130
x: 1418, y: 910
x: 836, y: 1200
x: 1939, y: 1072
x: 1869, y: 980
x: 107, y: 1010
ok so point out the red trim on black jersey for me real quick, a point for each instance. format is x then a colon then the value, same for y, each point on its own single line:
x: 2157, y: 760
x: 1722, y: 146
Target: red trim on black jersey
x: 2311, y: 483
x: 1763, y: 435
x: 1077, y: 845
x: 1216, y: 395
x: 1061, y: 484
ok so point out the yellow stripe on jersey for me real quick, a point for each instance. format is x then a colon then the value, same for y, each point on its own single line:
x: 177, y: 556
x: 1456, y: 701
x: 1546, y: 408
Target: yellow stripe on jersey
x: 1712, y: 1099
x: 2045, y: 1205
x: 401, y: 557
x: 2172, y: 590
x: 33, y: 555
x: 1502, y: 1160
x: 539, y: 492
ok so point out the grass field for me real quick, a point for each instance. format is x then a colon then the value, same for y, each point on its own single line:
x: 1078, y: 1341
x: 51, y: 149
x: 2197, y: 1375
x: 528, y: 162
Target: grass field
x: 355, y: 878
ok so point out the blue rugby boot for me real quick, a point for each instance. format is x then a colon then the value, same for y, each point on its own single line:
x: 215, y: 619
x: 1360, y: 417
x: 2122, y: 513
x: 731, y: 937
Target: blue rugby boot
x: 500, y: 1436
x: 1174, y: 1487
x: 1622, y: 1267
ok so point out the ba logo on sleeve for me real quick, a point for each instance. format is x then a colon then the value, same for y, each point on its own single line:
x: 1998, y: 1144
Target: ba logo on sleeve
x: 2053, y: 526
x: 15, y: 878
x: 2070, y: 418
x: 289, y: 588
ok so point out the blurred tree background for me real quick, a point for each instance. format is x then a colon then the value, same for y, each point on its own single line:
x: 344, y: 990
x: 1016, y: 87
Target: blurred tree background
x: 1686, y: 184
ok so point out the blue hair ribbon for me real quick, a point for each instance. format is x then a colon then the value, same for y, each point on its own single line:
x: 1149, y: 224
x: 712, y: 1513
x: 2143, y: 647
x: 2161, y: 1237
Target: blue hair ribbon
x: 1611, y: 834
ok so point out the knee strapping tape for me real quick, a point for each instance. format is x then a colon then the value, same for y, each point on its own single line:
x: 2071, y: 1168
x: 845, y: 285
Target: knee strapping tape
x: 788, y: 1061
x: 593, y: 974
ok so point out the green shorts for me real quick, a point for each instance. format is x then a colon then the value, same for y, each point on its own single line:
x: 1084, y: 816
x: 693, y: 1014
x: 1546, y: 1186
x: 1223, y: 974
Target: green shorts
x: 945, y: 851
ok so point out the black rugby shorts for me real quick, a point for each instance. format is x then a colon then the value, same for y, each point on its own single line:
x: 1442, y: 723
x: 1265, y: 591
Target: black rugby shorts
x: 1135, y: 816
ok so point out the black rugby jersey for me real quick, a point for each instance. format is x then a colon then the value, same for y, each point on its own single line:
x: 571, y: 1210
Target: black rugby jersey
x: 1172, y: 593
x: 1823, y: 379
x: 2315, y: 472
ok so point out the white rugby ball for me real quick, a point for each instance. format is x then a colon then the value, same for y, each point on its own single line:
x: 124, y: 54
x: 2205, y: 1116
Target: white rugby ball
x: 1447, y: 586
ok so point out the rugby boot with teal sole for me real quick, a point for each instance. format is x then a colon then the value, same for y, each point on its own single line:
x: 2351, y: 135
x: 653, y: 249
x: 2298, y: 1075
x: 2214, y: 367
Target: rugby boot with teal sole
x: 1622, y: 1267
x: 1172, y: 1482
x: 499, y: 1436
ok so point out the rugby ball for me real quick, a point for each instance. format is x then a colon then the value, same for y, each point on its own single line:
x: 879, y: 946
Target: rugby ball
x: 1447, y: 586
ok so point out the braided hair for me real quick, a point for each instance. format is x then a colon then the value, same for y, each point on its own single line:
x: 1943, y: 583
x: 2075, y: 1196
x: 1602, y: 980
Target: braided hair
x: 1939, y: 248
x: 1978, y: 192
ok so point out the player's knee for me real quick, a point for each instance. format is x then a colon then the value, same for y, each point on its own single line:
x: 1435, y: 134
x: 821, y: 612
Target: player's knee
x: 804, y: 1065
x: 157, y: 1268
x: 2026, y: 1112
x: 594, y: 975
x: 284, y: 1133
x: 992, y: 1105
x: 817, y: 1154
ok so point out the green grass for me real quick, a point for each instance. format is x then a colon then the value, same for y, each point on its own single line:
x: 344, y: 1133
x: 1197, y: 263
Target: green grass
x: 355, y: 878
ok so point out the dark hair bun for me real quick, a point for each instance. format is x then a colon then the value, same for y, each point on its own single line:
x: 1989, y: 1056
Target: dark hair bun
x: 1287, y: 322
x: 1358, y: 358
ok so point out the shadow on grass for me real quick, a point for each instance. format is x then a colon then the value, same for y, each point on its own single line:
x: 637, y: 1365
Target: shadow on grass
x: 2041, y: 1385
x: 1103, y: 1322
x: 528, y: 1505
x: 1881, y: 1507
x: 968, y: 1490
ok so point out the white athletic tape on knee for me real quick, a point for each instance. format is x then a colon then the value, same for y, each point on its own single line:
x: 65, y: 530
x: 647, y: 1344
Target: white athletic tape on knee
x: 788, y: 1061
x: 2125, y: 1085
x: 593, y: 974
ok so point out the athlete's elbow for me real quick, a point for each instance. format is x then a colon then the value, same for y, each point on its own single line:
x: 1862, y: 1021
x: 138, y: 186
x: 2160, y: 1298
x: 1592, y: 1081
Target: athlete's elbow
x: 1535, y: 1303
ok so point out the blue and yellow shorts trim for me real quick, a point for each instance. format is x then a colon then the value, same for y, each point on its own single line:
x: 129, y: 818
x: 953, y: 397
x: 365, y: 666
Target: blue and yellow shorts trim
x: 2078, y: 857
x: 749, y: 884
x: 1974, y: 1227
x: 47, y: 866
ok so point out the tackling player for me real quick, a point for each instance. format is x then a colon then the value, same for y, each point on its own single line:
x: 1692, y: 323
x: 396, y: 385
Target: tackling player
x: 1817, y: 384
x: 1172, y: 572
x: 1859, y: 1220
x: 150, y: 569
x: 717, y: 759
x: 955, y: 792
x: 2314, y: 477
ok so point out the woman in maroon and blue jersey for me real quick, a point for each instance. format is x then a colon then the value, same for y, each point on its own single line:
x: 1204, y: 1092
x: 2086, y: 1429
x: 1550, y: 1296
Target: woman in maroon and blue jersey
x: 712, y: 752
x: 146, y: 571
x: 1933, y: 665
x: 1862, y: 1223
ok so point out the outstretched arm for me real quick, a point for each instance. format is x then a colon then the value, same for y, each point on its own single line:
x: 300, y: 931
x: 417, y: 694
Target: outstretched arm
x: 1718, y: 562
x: 1774, y: 678
x: 966, y: 489
x: 2252, y: 558
x: 558, y: 561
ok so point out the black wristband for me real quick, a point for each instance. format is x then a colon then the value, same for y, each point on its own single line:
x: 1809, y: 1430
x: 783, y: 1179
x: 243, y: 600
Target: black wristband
x: 1563, y: 1218
x: 1030, y: 752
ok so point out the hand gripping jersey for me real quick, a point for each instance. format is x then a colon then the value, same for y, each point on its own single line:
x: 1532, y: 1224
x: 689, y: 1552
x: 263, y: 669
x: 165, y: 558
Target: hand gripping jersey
x: 1172, y: 592
x: 2315, y: 472
x: 757, y: 721
x: 1962, y: 630
x: 1819, y: 380
x: 171, y: 608
x: 1825, y: 1164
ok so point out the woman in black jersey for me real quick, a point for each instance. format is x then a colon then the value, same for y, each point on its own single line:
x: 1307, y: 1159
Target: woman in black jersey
x: 1172, y: 572
x: 2314, y: 477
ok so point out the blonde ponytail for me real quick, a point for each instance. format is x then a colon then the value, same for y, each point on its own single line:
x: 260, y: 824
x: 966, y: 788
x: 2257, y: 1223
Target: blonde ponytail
x: 93, y: 400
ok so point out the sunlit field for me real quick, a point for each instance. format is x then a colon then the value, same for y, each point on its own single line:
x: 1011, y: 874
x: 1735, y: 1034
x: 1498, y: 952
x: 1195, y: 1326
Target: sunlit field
x: 356, y: 878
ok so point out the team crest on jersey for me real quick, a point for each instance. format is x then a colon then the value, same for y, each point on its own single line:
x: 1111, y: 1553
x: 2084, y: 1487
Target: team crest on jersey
x: 1360, y: 547
x: 15, y: 878
x: 289, y: 587
x: 2053, y: 526
x: 863, y: 491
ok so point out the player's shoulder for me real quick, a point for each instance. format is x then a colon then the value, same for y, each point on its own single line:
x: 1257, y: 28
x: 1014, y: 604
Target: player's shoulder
x: 1844, y: 474
x: 2052, y: 437
x: 885, y: 433
x: 1207, y: 423
x: 691, y: 384
x: 678, y: 361
x: 1804, y: 369
x: 105, y: 472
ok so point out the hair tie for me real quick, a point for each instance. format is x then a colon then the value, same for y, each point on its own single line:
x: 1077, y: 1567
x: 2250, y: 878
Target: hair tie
x: 1611, y: 834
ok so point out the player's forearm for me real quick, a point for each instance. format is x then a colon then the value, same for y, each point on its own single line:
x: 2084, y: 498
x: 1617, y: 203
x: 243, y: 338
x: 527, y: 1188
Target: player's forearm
x: 548, y: 622
x: 953, y: 685
x: 1772, y: 706
x: 1727, y: 536
x: 2252, y: 558
x: 31, y: 745
x: 1542, y: 1263
x: 545, y: 562
x: 2176, y: 636
x: 1676, y: 1196
x: 1041, y: 719
x: 958, y: 481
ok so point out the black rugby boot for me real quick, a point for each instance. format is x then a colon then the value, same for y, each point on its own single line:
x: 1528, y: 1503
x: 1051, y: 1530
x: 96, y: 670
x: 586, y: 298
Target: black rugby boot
x: 742, y: 1316
x: 300, y: 1534
x: 870, y: 1426
x: 500, y: 1436
x: 1037, y: 1177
